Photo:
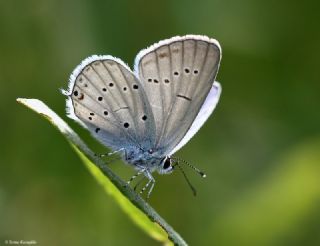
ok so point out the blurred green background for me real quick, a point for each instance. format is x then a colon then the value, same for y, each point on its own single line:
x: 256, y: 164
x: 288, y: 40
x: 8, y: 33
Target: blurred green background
x: 260, y: 150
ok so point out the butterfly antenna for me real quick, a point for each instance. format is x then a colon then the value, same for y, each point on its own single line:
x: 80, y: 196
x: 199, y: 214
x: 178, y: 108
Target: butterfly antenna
x: 202, y: 174
x: 186, y: 178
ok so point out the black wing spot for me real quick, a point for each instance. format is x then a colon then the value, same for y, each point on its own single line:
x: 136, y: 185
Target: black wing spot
x: 184, y: 97
x: 126, y: 125
x: 176, y: 73
x: 105, y: 112
x: 100, y: 98
x: 166, y: 81
x: 81, y: 96
x: 104, y: 89
x: 149, y: 80
x: 124, y: 88
x: 195, y: 71
x: 97, y: 129
x: 80, y: 79
x: 75, y: 93
x: 90, y: 118
x: 155, y: 81
x: 85, y: 85
x: 144, y: 118
x: 110, y: 84
x: 187, y: 70
x: 135, y: 87
x: 91, y: 113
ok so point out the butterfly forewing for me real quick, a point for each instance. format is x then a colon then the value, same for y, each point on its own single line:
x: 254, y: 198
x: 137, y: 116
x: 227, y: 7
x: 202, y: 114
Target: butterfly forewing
x: 110, y: 101
x: 177, y: 75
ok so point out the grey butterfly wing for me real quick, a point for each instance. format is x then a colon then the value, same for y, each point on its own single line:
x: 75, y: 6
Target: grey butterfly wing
x: 206, y: 110
x: 177, y: 75
x: 106, y: 97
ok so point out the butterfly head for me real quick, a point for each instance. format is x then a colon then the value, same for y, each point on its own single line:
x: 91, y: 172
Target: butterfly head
x: 165, y: 166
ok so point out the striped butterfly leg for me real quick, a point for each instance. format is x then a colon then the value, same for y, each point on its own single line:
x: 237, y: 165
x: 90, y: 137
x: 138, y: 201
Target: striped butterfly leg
x: 135, y: 176
x: 139, y: 182
x: 114, y: 152
x: 151, y: 182
x: 123, y: 150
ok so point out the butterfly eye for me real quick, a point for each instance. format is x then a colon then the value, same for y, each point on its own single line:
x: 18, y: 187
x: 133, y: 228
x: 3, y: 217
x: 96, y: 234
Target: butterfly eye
x: 167, y: 163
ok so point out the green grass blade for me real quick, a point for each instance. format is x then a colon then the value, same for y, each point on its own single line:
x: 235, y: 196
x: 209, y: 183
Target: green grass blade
x: 140, y: 212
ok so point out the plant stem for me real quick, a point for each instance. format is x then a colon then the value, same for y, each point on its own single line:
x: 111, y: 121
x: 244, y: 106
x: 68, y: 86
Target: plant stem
x: 42, y: 109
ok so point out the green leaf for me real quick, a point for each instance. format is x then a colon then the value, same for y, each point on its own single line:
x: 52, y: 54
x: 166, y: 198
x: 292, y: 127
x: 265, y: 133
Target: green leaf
x: 140, y: 212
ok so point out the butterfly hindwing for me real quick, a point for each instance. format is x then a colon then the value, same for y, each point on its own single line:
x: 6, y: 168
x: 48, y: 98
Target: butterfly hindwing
x: 109, y: 100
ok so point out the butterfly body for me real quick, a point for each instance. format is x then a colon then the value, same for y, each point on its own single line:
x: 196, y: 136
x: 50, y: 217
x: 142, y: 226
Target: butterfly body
x: 142, y: 158
x: 151, y: 112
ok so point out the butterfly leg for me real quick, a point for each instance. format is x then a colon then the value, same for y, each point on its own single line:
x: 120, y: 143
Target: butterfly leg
x: 135, y: 176
x: 151, y: 188
x: 151, y: 181
x: 114, y: 152
x: 138, y: 183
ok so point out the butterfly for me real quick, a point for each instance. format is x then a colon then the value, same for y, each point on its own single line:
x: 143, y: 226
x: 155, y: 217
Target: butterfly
x: 148, y: 114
